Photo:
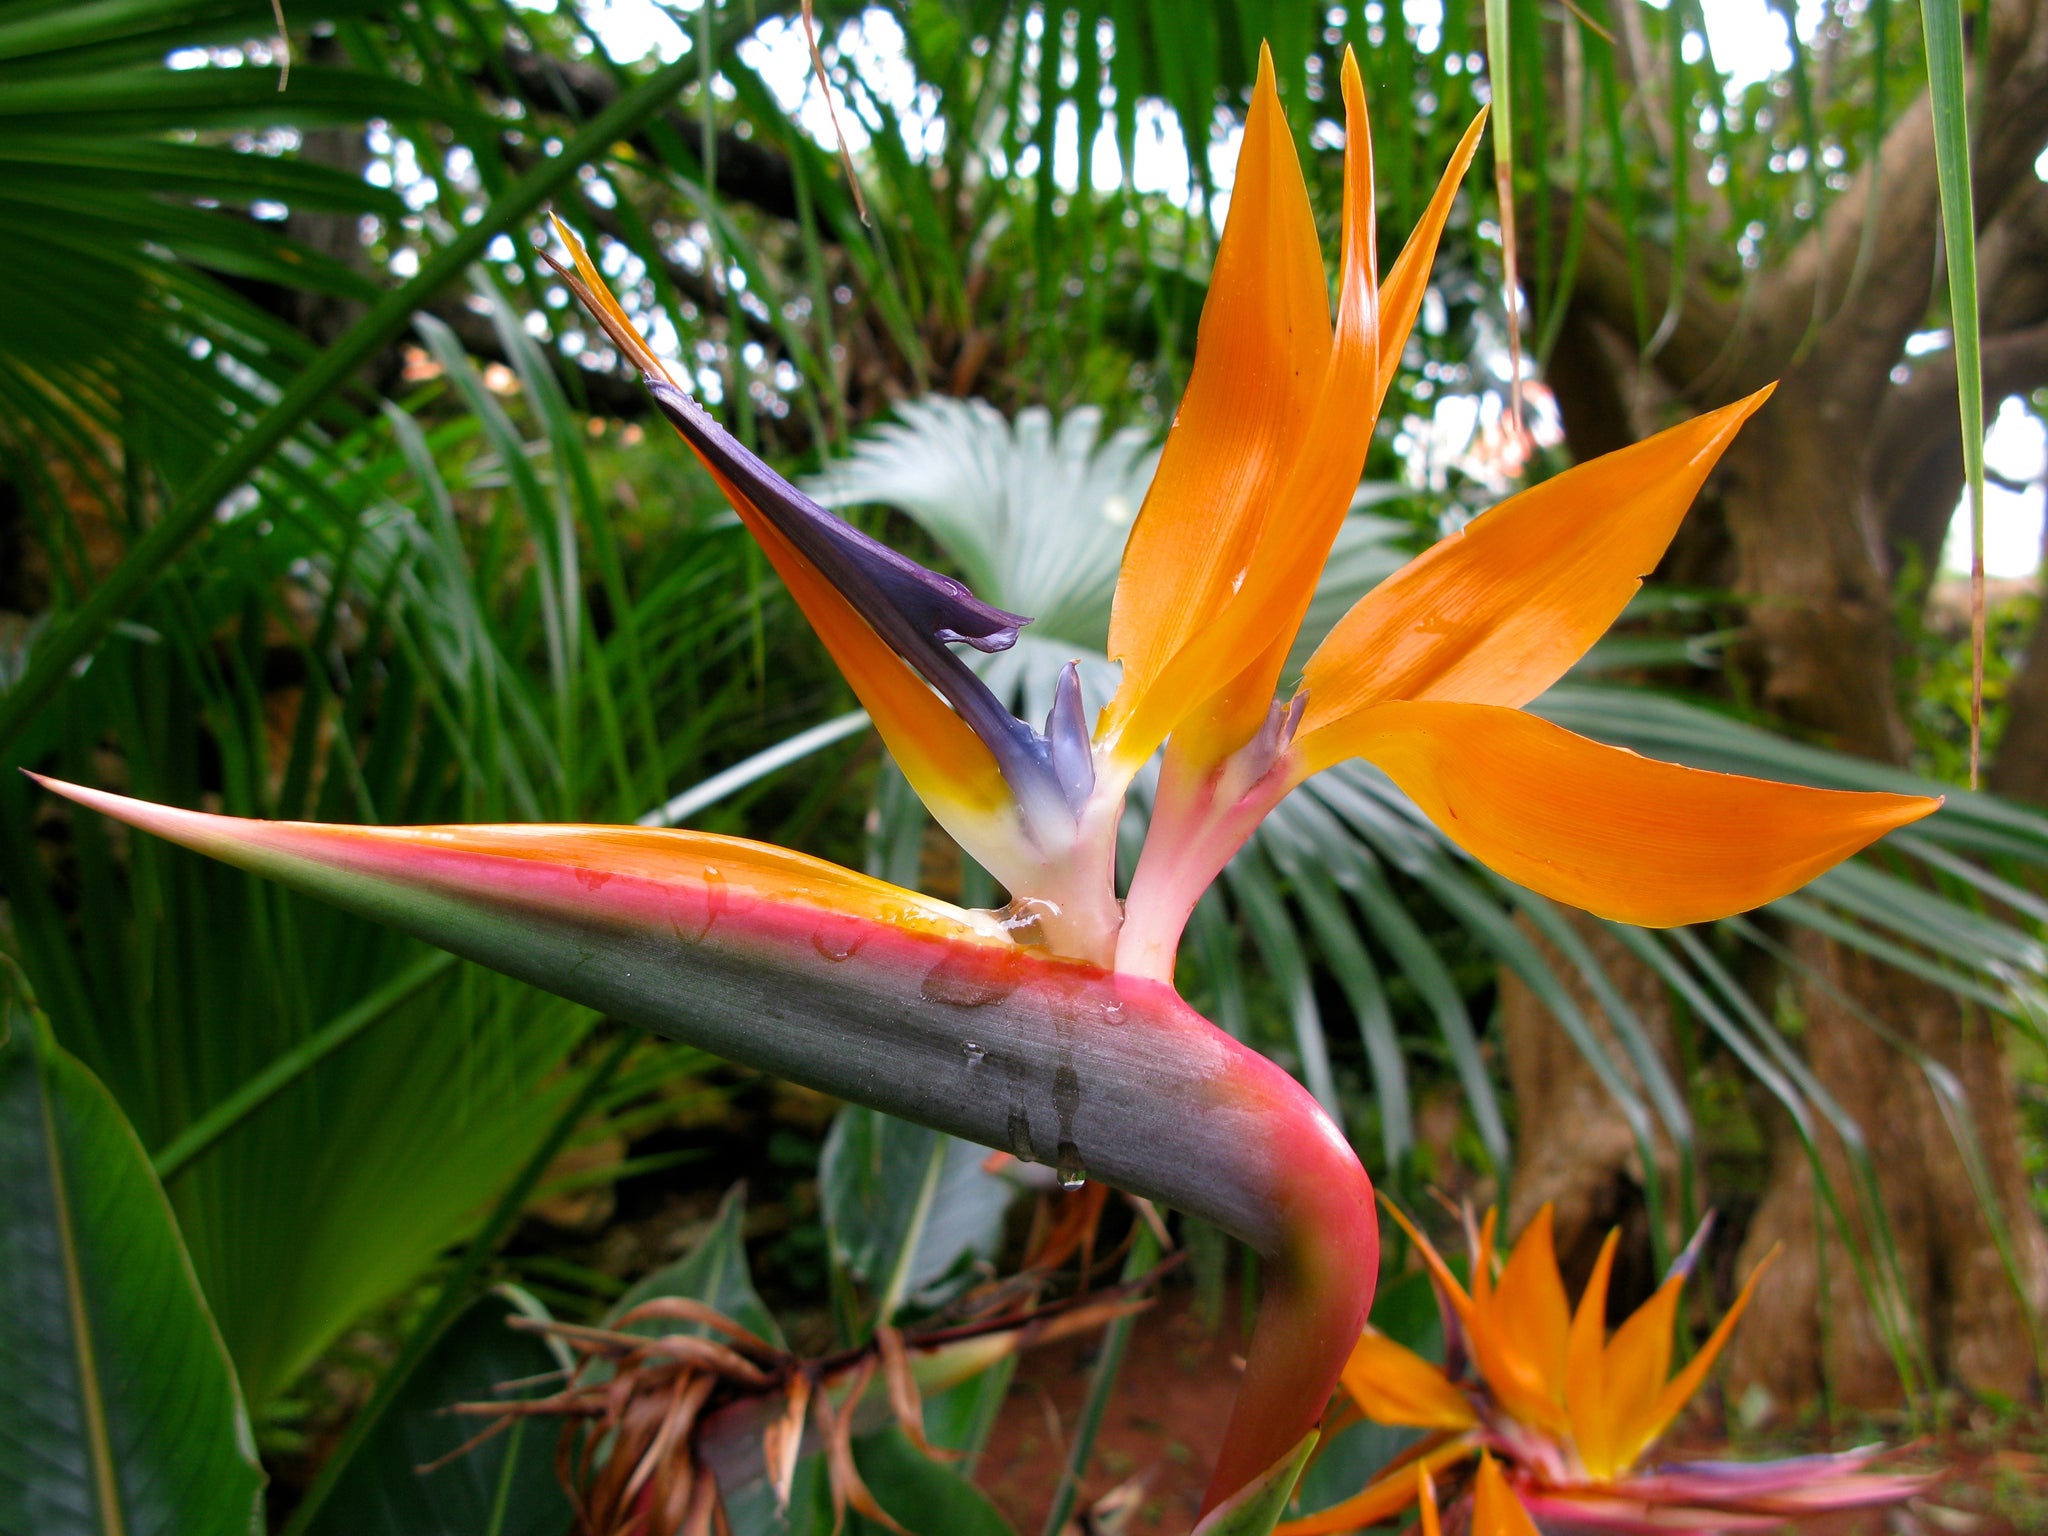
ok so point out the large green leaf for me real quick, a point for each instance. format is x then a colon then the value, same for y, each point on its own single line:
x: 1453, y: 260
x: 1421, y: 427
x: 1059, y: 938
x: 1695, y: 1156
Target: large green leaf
x: 503, y: 1487
x: 906, y: 1207
x: 925, y: 1497
x: 714, y: 1272
x: 119, y: 1415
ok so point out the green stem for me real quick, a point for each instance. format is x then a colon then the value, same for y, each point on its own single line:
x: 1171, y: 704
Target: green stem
x: 1108, y: 1366
x: 457, y: 1290
x: 157, y: 550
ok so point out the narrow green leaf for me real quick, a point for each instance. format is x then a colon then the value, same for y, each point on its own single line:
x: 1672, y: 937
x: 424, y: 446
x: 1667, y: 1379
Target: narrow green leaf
x: 295, y: 1064
x: 157, y: 550
x: 1941, y: 24
x: 120, y: 1415
x: 927, y: 1497
x: 906, y: 1207
x: 456, y: 1291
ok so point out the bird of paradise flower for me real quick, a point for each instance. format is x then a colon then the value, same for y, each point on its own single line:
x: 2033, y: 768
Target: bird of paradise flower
x: 1560, y: 1416
x: 1053, y: 1030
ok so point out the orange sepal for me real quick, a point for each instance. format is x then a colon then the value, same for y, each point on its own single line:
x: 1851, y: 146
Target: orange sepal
x: 1394, y: 1385
x: 1273, y: 591
x: 1316, y: 493
x: 1496, y: 613
x: 1521, y: 1346
x: 1260, y: 357
x: 945, y: 762
x: 948, y: 766
x: 597, y: 297
x: 1495, y: 1509
x: 1623, y: 836
x: 1638, y: 1360
x: 1408, y: 279
x: 1391, y: 1493
x: 1585, y: 1371
x: 1635, y: 1436
x: 1439, y: 1271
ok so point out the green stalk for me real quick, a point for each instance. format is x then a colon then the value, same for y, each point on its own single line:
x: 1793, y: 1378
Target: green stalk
x: 1941, y: 22
x: 192, y: 514
x: 1500, y: 88
x: 1108, y: 1366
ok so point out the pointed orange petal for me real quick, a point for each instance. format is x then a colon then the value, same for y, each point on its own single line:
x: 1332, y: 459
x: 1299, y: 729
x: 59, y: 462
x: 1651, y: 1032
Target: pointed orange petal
x: 1320, y: 481
x: 1637, y: 1436
x: 948, y: 766
x: 1637, y: 1362
x: 1500, y: 1350
x: 1498, y: 612
x: 1259, y: 360
x: 1439, y: 1271
x: 946, y: 763
x: 1401, y: 294
x: 1495, y: 1509
x: 1623, y: 836
x: 1240, y: 709
x: 1585, y: 1366
x: 1272, y: 593
x: 1394, y: 1385
x: 1382, y: 1498
x: 1425, y: 1495
x: 1529, y: 1306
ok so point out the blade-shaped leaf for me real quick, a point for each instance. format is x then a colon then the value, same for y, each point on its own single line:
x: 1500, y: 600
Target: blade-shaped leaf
x: 1256, y: 1508
x: 906, y: 1207
x: 504, y: 1487
x: 714, y: 1272
x: 120, y: 1415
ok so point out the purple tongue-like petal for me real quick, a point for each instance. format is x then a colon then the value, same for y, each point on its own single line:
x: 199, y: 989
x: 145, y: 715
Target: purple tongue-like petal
x: 1066, y: 734
x: 938, y: 606
x: 916, y: 612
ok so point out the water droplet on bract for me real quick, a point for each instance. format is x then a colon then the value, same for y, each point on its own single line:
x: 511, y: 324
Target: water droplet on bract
x: 714, y: 896
x: 972, y: 979
x: 975, y: 1054
x: 1113, y: 1011
x: 839, y: 940
x: 1071, y: 1174
x: 1025, y: 918
x: 1021, y: 1145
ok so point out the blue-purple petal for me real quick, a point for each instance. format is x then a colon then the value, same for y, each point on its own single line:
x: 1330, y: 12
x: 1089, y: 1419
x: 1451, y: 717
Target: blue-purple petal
x: 917, y: 612
x: 1066, y: 735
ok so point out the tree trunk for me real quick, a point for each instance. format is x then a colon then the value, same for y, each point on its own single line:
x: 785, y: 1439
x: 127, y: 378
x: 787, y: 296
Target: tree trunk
x: 1814, y: 1324
x: 1576, y: 1150
x: 1803, y: 515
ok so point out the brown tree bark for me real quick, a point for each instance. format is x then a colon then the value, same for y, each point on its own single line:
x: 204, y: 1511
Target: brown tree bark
x: 1575, y: 1149
x: 1803, y: 513
x: 1951, y: 1297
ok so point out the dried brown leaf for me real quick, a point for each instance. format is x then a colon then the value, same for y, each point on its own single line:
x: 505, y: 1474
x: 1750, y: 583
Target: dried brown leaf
x: 904, y: 1399
x: 783, y: 1439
